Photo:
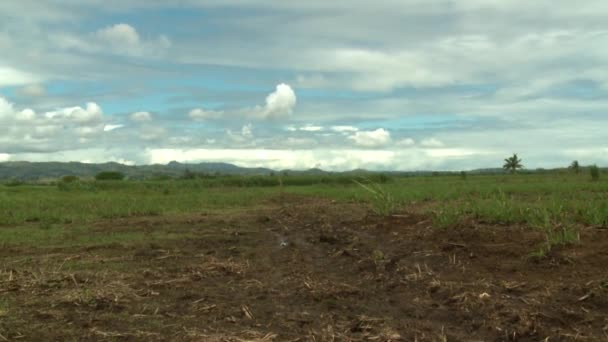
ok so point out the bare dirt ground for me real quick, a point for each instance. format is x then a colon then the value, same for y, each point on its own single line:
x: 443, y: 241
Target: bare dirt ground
x: 307, y: 270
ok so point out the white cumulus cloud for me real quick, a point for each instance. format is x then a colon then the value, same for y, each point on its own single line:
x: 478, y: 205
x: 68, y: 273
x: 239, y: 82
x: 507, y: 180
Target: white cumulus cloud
x: 120, y: 39
x: 91, y: 113
x: 25, y: 115
x: 311, y: 128
x: 12, y: 77
x: 202, y: 114
x: 279, y: 103
x: 119, y: 35
x: 23, y: 130
x: 375, y: 138
x: 141, y: 116
x: 108, y: 128
x: 431, y: 142
x: 247, y: 131
x: 343, y: 129
x: 6, y: 108
x: 406, y: 142
x: 32, y: 90
x: 244, y: 136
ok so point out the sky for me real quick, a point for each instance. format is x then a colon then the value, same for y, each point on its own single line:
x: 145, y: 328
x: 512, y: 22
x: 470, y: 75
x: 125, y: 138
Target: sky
x: 337, y: 85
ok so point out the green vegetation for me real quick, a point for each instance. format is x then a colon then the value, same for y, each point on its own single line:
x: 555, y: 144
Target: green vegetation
x: 14, y: 182
x: 463, y: 175
x: 557, y: 204
x: 382, y: 200
x: 557, y: 228
x: 70, y: 179
x: 109, y: 175
x: 512, y: 164
x: 575, y: 167
x: 595, y: 173
x: 497, y: 199
x: 83, y: 202
x: 89, y: 245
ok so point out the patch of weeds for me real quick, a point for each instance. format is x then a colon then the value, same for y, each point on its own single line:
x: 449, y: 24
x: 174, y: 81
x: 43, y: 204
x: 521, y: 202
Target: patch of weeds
x: 596, y: 215
x: 541, y: 253
x: 47, y: 223
x: 505, y: 208
x: 378, y: 258
x: 383, y: 202
x: 498, y: 209
x: 70, y: 179
x: 562, y: 235
x: 14, y: 182
x: 463, y: 175
x: 594, y: 171
x: 4, y: 307
x: 76, y: 185
x: 557, y: 233
x: 447, y: 218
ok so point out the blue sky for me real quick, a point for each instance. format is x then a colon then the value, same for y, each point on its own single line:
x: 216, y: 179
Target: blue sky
x: 383, y: 85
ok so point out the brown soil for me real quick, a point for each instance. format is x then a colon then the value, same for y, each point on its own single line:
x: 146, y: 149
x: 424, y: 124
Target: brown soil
x: 308, y: 270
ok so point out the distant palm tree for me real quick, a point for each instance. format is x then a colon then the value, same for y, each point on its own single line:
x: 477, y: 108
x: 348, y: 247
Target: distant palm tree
x: 512, y: 164
x: 595, y: 172
x: 575, y: 166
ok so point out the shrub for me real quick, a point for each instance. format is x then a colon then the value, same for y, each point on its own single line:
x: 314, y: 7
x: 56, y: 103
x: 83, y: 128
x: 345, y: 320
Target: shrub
x: 575, y: 166
x: 448, y: 217
x: 160, y: 177
x: 382, y: 178
x: 109, y: 175
x: 595, y: 172
x: 556, y: 231
x: 189, y: 174
x: 383, y: 202
x: 14, y: 182
x: 77, y: 186
x: 70, y: 179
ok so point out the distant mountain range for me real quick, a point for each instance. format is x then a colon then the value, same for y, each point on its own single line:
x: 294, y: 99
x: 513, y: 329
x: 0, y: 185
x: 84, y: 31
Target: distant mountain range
x: 34, y: 170
x: 23, y: 170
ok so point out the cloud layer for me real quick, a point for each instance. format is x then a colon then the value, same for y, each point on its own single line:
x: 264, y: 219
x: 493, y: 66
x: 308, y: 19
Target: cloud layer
x: 451, y: 84
x: 279, y: 104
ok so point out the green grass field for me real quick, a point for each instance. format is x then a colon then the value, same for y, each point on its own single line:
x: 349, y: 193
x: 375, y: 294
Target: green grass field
x: 536, y: 201
x: 166, y: 260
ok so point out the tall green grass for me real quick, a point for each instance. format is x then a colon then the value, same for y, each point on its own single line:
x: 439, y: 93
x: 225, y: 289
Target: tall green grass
x: 382, y: 200
x: 497, y: 199
x: 83, y: 204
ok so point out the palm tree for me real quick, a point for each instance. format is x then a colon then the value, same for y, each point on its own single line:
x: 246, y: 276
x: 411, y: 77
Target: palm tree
x: 595, y: 172
x: 575, y: 166
x: 512, y: 164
